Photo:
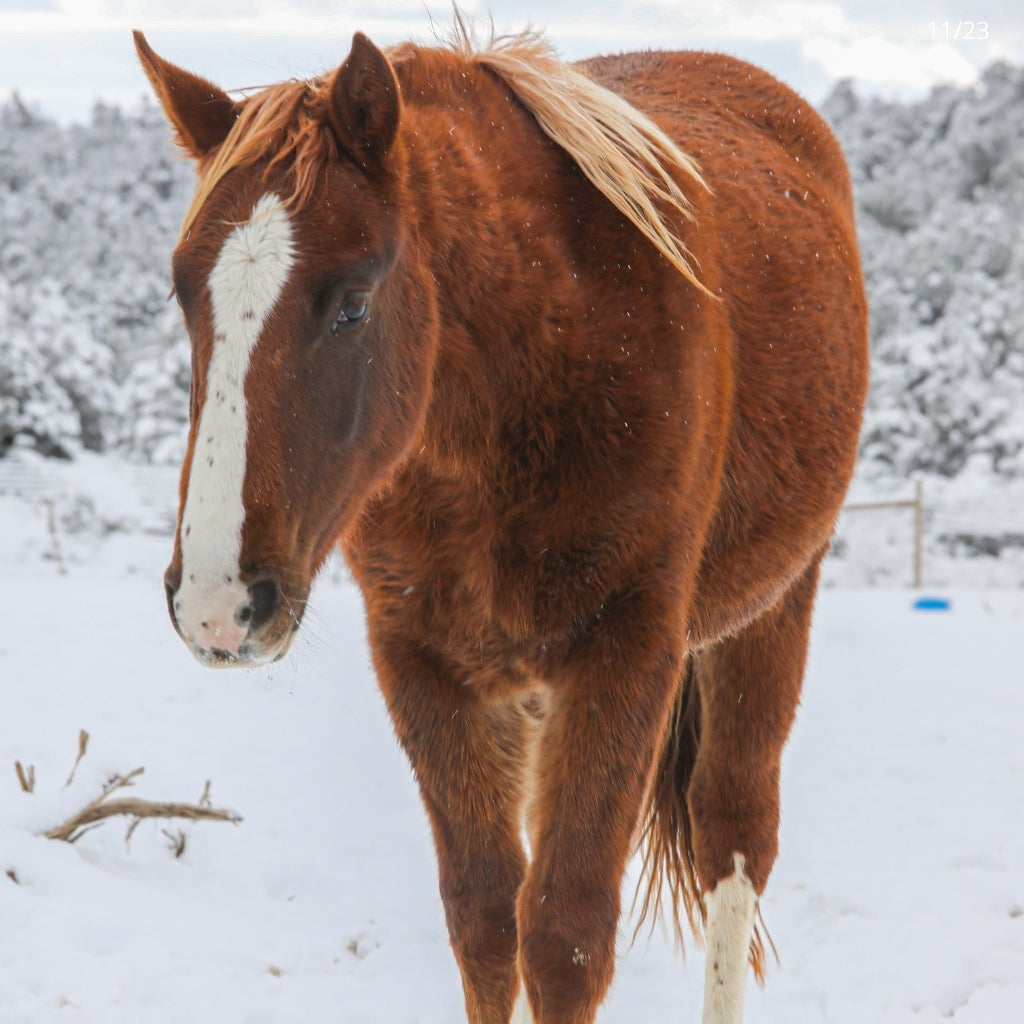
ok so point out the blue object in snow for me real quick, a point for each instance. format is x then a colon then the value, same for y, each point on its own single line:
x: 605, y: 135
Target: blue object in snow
x: 932, y: 604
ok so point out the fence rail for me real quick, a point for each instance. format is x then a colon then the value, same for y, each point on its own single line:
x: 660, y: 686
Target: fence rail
x: 915, y: 504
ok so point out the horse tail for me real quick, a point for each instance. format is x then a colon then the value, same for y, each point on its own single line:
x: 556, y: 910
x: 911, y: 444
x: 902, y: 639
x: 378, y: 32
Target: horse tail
x: 666, y: 839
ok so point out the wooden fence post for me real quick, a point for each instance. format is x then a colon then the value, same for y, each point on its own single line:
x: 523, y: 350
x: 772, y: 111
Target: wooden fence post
x: 917, y: 505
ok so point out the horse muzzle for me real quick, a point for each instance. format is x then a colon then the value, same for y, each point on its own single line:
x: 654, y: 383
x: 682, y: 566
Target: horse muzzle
x: 231, y: 622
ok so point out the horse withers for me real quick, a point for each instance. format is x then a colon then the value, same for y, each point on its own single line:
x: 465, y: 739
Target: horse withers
x: 570, y: 361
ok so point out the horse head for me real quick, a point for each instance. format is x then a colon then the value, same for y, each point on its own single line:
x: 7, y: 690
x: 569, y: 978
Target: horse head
x: 312, y: 339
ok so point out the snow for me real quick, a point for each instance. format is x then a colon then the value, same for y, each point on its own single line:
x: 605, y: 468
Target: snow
x: 898, y: 896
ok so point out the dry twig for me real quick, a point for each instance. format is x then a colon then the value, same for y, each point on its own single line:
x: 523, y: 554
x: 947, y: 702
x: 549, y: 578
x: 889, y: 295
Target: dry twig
x: 26, y: 776
x: 176, y: 842
x: 133, y: 807
x: 83, y: 744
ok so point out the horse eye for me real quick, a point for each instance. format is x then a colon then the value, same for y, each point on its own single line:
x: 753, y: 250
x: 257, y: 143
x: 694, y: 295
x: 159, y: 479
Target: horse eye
x: 353, y: 311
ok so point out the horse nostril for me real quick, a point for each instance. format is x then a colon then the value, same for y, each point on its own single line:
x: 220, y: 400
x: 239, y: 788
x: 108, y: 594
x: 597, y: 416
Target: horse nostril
x: 170, y: 591
x: 264, y: 600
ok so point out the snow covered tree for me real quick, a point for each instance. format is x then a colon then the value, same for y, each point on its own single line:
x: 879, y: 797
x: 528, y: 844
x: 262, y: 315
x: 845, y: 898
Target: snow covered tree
x: 91, y: 350
x: 940, y: 196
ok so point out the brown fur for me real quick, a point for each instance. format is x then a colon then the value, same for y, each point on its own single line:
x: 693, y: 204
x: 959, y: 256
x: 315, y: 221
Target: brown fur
x: 584, y: 494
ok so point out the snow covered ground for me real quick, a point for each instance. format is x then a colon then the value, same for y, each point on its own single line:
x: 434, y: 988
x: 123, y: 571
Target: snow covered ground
x: 898, y: 897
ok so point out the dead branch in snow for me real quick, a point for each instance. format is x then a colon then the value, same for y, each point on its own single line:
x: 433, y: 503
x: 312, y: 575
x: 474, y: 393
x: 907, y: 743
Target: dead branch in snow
x: 133, y: 807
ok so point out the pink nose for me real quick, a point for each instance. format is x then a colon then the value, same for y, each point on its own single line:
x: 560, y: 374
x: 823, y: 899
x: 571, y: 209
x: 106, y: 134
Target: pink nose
x: 220, y: 619
x: 221, y: 623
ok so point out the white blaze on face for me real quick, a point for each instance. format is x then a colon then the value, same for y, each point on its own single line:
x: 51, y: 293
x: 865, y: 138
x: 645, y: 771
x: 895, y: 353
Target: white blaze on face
x: 245, y: 285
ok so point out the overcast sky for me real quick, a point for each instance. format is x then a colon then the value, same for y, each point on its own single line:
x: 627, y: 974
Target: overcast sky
x: 62, y: 55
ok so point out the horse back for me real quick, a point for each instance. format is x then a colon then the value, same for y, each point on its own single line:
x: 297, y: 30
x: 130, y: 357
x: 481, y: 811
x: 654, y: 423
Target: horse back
x: 710, y: 103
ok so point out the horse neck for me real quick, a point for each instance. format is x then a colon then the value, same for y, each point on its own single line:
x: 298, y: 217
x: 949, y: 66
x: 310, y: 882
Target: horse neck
x: 476, y: 163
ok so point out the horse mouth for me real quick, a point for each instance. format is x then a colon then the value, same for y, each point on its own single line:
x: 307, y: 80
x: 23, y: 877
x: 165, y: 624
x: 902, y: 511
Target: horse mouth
x: 259, y: 632
x: 251, y: 654
x: 270, y: 644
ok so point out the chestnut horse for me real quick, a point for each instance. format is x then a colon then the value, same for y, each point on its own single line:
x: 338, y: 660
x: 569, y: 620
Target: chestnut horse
x: 570, y: 361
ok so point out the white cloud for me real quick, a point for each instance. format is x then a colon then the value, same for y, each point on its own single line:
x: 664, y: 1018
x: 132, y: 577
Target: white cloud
x: 794, y: 20
x: 874, y: 60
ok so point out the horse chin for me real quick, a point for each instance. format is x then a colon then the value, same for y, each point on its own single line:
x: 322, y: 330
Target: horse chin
x: 252, y: 654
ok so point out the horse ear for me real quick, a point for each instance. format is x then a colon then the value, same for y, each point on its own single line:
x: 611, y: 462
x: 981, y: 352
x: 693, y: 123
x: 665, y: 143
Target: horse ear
x: 364, y: 106
x: 201, y: 114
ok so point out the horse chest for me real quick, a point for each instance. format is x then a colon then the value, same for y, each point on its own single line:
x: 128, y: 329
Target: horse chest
x: 499, y: 595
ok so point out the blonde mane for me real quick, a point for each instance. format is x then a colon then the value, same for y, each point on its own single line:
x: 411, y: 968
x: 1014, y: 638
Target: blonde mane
x: 624, y: 154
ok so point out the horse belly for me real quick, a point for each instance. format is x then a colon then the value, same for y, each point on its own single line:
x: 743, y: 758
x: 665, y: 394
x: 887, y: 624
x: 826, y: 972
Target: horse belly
x: 788, y: 464
x: 800, y: 359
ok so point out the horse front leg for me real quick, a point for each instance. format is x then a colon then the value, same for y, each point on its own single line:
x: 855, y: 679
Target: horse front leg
x: 608, y: 707
x: 466, y: 754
